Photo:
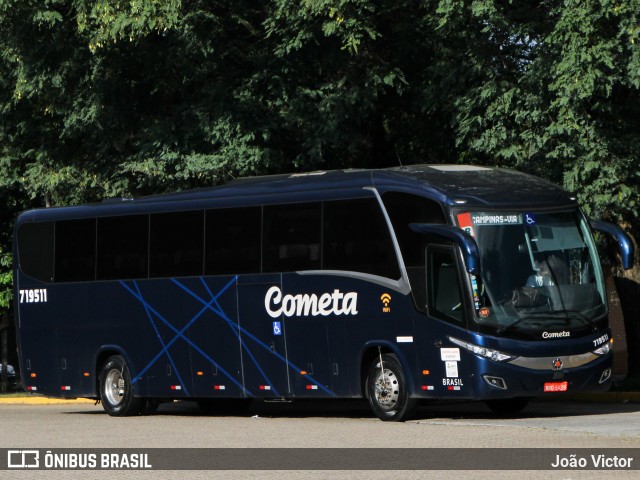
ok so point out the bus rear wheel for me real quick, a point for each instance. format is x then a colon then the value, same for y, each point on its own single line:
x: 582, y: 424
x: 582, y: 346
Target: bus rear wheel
x: 116, y: 390
x: 387, y: 390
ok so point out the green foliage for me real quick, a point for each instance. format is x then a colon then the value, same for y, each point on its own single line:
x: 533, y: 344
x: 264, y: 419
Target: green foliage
x: 109, y: 21
x: 6, y: 291
x: 556, y: 94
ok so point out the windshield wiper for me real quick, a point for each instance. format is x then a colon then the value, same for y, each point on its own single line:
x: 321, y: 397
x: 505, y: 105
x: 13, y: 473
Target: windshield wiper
x: 571, y: 314
x: 566, y: 315
x: 515, y: 323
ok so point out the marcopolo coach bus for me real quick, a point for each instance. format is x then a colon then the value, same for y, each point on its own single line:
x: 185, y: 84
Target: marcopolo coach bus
x: 398, y: 285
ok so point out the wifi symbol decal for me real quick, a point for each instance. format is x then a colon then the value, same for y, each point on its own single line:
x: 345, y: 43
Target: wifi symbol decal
x: 386, y: 300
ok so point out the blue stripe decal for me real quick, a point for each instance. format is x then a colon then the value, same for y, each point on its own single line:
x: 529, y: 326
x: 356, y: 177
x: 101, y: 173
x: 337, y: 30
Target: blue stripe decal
x: 233, y: 325
x: 165, y: 348
x: 221, y: 313
x: 180, y: 333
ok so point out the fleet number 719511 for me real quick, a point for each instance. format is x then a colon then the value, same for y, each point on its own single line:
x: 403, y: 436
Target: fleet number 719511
x: 33, y: 295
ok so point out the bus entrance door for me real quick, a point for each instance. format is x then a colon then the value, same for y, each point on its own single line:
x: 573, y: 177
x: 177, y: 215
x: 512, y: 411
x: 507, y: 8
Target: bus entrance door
x: 262, y: 337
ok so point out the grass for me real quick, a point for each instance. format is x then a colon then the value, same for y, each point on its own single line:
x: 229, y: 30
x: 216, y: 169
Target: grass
x: 15, y: 395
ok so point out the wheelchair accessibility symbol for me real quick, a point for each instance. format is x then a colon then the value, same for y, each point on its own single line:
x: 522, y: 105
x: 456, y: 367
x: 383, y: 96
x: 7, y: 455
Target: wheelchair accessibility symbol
x: 530, y: 219
x: 277, y: 328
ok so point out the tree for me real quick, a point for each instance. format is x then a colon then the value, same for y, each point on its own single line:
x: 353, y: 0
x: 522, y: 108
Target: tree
x: 556, y: 93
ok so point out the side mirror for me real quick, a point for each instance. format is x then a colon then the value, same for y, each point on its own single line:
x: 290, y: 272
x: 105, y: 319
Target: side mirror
x: 625, y: 247
x: 462, y: 239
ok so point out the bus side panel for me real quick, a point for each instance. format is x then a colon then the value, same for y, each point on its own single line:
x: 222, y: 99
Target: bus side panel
x: 79, y: 311
x: 75, y: 359
x: 359, y: 317
x: 155, y: 336
x: 37, y: 337
x: 312, y: 370
x: 446, y: 369
x: 214, y: 335
x: 264, y: 354
x: 384, y: 324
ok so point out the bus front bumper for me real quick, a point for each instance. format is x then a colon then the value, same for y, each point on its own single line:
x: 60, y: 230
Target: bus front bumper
x: 542, y: 376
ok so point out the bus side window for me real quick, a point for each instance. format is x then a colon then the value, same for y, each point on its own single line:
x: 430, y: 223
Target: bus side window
x: 35, y: 250
x: 75, y: 250
x: 176, y: 244
x: 356, y: 238
x: 404, y: 209
x: 443, y: 287
x: 291, y: 237
x: 123, y: 246
x: 232, y: 241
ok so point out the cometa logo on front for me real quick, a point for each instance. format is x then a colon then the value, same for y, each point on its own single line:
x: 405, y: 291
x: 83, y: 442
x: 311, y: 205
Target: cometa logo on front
x: 556, y: 334
x: 304, y: 305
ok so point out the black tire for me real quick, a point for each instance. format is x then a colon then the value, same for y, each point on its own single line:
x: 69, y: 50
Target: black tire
x: 387, y: 390
x: 224, y: 406
x: 116, y: 391
x: 508, y: 406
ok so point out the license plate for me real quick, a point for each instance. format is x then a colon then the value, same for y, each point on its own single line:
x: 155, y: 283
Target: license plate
x: 556, y: 386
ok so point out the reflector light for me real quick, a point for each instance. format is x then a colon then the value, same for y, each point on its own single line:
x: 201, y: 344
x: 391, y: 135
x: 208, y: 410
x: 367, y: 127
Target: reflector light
x: 85, y: 374
x: 606, y: 375
x: 265, y: 387
x: 199, y: 373
x: 33, y: 375
x: 426, y: 372
x: 312, y: 387
x: 303, y: 372
x: 32, y: 389
x: 176, y: 387
x: 497, y: 382
x: 65, y: 388
x: 427, y: 387
x: 219, y: 387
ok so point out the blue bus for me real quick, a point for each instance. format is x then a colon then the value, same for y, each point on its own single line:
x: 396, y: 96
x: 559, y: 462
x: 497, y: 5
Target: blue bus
x: 396, y: 285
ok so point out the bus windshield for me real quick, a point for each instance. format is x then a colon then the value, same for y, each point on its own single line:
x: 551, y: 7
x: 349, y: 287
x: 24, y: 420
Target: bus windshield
x: 539, y: 272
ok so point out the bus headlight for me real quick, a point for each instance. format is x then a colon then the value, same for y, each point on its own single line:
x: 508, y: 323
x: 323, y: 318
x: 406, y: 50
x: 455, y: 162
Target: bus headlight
x: 483, y: 352
x: 604, y: 349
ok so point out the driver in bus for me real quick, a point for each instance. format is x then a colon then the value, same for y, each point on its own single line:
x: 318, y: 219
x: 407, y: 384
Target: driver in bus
x: 542, y: 276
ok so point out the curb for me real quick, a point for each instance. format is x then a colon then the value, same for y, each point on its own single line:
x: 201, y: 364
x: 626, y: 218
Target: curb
x: 43, y: 401
x: 609, y: 397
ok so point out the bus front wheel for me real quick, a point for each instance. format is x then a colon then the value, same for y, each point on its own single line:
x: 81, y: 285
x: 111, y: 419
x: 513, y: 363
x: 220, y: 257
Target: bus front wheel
x: 387, y: 390
x: 116, y: 391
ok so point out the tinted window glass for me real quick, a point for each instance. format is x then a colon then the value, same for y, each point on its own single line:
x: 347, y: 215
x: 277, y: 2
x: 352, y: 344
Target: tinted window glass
x: 233, y: 241
x: 292, y: 237
x: 403, y: 209
x: 356, y: 238
x: 123, y: 244
x: 444, y: 297
x: 35, y: 250
x: 176, y: 244
x: 75, y: 247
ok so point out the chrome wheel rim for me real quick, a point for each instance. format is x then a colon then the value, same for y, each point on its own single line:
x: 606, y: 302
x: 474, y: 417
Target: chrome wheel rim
x: 114, y: 387
x: 386, y: 389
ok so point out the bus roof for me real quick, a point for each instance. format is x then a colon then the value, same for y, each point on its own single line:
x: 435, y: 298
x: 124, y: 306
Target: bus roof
x: 473, y: 186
